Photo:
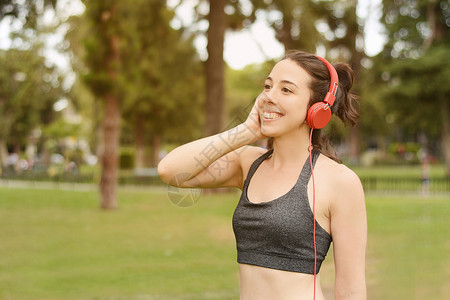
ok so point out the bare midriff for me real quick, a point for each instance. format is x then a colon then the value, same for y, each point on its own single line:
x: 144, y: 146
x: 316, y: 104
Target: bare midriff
x: 259, y: 283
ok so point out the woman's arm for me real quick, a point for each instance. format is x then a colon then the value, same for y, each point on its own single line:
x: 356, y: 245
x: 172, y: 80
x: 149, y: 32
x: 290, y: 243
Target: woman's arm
x: 349, y: 232
x: 213, y: 161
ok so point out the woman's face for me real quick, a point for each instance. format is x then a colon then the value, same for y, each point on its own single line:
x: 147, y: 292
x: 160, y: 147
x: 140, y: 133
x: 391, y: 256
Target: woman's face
x: 284, y: 102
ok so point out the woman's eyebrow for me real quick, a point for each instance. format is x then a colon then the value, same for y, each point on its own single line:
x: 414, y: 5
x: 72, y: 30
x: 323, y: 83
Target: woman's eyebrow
x: 283, y: 81
x: 289, y: 82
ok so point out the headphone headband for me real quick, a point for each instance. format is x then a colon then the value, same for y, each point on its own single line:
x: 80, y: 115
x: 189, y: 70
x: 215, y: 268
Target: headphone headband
x: 334, y: 81
x: 319, y: 114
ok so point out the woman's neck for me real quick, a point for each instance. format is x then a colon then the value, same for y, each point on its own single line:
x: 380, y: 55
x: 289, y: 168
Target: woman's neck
x: 291, y: 149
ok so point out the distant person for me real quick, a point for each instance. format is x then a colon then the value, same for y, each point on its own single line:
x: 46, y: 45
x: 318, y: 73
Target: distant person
x: 72, y: 167
x: 287, y: 215
x: 425, y: 176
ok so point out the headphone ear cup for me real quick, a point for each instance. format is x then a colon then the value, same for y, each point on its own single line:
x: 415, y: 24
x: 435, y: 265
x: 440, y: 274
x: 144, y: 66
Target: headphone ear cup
x: 319, y: 114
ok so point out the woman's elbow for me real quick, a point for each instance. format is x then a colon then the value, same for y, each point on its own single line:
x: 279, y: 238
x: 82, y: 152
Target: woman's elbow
x: 354, y: 291
x: 355, y: 295
x: 164, y: 172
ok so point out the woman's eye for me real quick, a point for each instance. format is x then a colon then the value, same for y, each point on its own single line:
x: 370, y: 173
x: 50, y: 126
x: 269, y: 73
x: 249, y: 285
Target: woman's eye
x: 267, y: 87
x: 286, y: 90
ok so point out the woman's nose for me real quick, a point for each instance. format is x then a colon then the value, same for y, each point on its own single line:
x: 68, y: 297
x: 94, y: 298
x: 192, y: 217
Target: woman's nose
x: 266, y: 97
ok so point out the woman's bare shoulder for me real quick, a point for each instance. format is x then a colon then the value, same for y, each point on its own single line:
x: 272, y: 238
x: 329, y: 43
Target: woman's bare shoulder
x: 338, y: 172
x: 341, y: 181
x: 248, y: 154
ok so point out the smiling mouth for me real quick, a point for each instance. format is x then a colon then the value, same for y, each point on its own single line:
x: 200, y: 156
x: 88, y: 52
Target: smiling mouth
x: 271, y: 115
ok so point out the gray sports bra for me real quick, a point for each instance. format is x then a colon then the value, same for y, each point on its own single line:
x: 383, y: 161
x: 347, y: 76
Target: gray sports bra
x: 278, y: 234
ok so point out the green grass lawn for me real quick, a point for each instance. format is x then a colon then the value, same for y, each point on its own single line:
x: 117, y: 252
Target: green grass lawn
x: 436, y: 170
x: 58, y: 244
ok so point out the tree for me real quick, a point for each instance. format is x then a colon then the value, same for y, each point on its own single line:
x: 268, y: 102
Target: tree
x: 415, y: 68
x: 243, y: 86
x: 28, y: 90
x: 26, y: 11
x: 84, y: 101
x: 222, y: 15
x: 163, y: 84
x: 235, y: 15
x: 215, y: 68
x: 139, y: 69
x: 295, y: 24
x: 103, y: 58
x: 346, y: 43
x: 330, y: 25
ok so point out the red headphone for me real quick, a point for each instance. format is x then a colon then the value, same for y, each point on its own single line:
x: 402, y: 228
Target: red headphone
x: 319, y: 114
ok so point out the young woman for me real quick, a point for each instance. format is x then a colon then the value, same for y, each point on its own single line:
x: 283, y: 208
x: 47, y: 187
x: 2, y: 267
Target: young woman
x: 296, y: 197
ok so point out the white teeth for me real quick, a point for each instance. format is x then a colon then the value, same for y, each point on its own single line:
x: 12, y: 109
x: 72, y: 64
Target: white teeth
x: 271, y: 115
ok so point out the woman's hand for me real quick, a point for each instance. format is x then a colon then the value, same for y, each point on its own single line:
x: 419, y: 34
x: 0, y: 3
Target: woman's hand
x: 253, y: 121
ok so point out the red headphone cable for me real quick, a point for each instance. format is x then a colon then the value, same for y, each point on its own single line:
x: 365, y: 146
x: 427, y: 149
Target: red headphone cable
x: 310, y: 148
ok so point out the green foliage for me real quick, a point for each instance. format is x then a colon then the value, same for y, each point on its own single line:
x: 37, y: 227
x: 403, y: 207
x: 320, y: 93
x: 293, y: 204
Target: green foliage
x: 163, y: 80
x: 373, y: 106
x: 404, y: 147
x: 26, y: 11
x: 296, y: 26
x: 28, y: 90
x: 411, y: 25
x: 407, y: 88
x: 306, y: 25
x: 103, y: 23
x: 82, y: 98
x: 243, y: 86
x: 409, y: 79
x: 159, y: 77
x: 418, y: 85
x: 126, y: 158
x: 239, y: 14
x: 60, y: 129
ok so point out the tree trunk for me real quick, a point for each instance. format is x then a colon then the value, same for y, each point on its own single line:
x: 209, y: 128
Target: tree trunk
x: 156, y: 146
x: 140, y: 142
x: 97, y: 139
x: 445, y: 134
x: 354, y: 132
x: 215, y: 68
x: 110, y: 157
x: 437, y: 28
x: 353, y: 145
x: 284, y: 35
x: 3, y: 154
x: 111, y: 132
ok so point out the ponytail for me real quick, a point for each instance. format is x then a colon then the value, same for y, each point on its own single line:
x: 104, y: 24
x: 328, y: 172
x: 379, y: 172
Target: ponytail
x: 346, y: 104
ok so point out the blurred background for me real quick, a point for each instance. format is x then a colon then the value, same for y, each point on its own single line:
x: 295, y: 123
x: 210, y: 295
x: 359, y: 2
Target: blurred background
x: 99, y: 90
x: 94, y: 93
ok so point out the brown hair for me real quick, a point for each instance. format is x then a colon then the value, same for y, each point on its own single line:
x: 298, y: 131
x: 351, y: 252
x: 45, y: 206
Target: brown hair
x: 345, y: 105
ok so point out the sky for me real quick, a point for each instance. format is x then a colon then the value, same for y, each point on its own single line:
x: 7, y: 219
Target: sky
x: 255, y: 44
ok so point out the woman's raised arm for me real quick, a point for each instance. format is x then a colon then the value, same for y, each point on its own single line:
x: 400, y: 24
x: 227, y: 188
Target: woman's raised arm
x: 213, y: 161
